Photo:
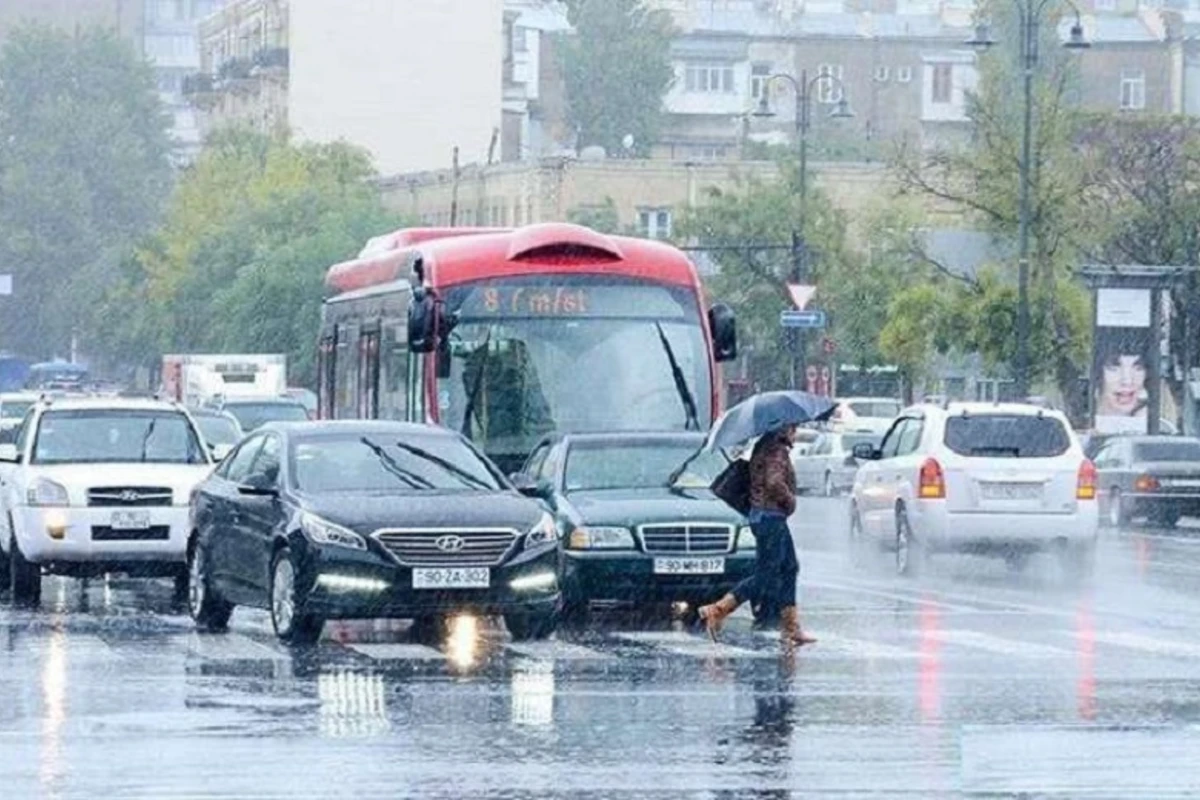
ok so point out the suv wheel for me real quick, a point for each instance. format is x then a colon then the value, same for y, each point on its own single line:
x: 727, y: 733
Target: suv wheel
x: 828, y: 486
x: 209, y: 610
x: 909, y: 552
x: 24, y: 577
x: 291, y: 624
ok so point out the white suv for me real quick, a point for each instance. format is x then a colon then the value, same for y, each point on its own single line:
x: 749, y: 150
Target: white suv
x: 97, y: 485
x: 1001, y: 479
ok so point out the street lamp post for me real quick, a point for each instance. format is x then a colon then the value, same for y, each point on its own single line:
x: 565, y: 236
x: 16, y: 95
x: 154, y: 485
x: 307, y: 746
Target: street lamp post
x: 802, y: 89
x: 1029, y: 13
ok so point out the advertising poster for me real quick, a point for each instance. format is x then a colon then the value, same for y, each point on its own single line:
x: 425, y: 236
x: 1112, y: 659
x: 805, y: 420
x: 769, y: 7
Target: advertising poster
x: 1122, y: 352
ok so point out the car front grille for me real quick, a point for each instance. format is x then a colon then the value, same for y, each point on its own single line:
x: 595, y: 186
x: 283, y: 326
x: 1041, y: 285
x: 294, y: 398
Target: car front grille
x: 127, y: 496
x: 686, y: 538
x: 155, y: 533
x: 448, y: 547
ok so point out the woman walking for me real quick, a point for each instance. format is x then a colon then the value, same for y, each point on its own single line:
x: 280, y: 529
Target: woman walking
x: 772, y: 501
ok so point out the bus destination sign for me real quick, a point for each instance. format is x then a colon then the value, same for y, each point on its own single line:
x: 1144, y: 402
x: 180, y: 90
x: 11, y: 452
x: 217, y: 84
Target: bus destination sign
x: 532, y: 301
x: 570, y: 300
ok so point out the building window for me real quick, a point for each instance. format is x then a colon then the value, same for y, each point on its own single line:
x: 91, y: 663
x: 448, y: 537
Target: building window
x: 903, y: 74
x: 760, y: 75
x: 943, y: 81
x: 520, y: 40
x: 1133, y: 90
x: 655, y: 223
x: 881, y: 74
x: 714, y: 152
x: 709, y: 78
x: 829, y: 90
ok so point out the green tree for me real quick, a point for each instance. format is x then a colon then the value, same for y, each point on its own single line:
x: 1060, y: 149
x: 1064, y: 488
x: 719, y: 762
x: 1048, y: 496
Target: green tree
x: 84, y: 170
x: 980, y: 176
x: 617, y: 67
x: 240, y: 261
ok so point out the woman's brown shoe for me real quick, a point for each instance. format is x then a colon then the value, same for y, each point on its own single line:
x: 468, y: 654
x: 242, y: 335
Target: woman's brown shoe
x: 790, y: 633
x: 714, y: 615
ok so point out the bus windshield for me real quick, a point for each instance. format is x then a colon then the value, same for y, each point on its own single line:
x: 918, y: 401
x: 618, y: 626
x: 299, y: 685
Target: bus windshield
x: 534, y: 355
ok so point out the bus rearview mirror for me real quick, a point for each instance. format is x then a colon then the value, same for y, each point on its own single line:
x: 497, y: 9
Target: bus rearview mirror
x: 723, y: 324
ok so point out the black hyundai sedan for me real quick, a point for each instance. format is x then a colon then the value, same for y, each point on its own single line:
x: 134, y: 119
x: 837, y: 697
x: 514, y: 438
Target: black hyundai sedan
x: 636, y: 533
x: 344, y: 520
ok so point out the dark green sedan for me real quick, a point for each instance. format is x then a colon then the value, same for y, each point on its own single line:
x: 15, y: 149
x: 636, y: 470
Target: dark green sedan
x: 631, y: 536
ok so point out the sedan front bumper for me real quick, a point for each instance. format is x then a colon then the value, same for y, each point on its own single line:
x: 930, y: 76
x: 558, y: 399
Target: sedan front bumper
x: 629, y: 577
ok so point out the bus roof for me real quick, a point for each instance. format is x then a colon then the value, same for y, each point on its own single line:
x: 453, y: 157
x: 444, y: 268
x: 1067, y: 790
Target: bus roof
x: 452, y: 256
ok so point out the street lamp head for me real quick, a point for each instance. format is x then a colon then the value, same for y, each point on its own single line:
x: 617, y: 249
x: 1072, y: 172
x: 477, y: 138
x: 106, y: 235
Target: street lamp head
x: 1076, y: 40
x: 764, y: 106
x: 983, y: 36
x: 841, y: 110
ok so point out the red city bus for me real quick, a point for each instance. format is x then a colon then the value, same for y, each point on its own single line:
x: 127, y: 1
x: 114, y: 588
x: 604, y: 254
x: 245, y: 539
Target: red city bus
x: 508, y: 335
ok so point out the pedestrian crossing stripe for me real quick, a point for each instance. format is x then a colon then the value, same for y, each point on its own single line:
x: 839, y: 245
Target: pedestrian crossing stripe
x: 686, y: 644
x: 228, y: 647
x: 555, y: 650
x: 833, y: 644
x: 996, y: 644
x: 397, y: 651
x: 1149, y: 644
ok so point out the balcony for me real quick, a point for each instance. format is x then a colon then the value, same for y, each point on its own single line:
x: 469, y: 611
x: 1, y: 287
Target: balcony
x: 271, y: 62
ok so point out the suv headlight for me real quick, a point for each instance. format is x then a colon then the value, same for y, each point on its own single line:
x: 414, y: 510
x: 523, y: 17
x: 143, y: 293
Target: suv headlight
x: 746, y: 540
x: 45, y: 492
x: 322, y: 531
x: 544, y: 532
x: 601, y: 539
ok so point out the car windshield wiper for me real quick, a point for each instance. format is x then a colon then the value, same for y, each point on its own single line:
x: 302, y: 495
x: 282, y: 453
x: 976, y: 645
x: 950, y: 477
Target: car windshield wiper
x: 473, y: 394
x: 685, y: 394
x: 146, y: 436
x: 453, y: 469
x: 411, y: 478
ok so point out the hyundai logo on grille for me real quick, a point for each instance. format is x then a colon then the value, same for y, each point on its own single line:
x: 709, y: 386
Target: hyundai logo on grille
x: 450, y: 544
x: 130, y: 496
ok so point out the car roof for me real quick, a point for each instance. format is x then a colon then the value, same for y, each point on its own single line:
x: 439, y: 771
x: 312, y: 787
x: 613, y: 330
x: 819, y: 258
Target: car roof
x: 350, y: 426
x: 111, y: 404
x: 978, y: 407
x: 285, y: 401
x: 634, y: 437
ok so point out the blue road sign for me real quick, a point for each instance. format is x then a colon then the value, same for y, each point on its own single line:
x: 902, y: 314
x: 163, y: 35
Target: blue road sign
x: 809, y: 318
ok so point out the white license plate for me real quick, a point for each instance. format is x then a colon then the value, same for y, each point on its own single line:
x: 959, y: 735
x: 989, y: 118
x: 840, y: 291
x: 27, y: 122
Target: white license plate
x: 452, y: 578
x: 130, y: 520
x: 689, y: 566
x: 1012, y: 491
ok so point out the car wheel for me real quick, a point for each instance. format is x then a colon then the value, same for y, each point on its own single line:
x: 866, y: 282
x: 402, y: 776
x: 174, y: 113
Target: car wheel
x: 25, y: 578
x: 291, y: 624
x: 1118, y: 516
x: 5, y: 579
x: 909, y: 553
x: 828, y: 486
x: 526, y: 626
x: 209, y: 611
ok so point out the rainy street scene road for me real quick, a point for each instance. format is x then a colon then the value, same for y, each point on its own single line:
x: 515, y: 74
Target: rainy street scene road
x: 971, y: 680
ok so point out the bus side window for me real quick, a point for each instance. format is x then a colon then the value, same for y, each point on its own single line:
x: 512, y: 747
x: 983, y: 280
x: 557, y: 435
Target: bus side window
x: 346, y: 373
x: 393, y: 371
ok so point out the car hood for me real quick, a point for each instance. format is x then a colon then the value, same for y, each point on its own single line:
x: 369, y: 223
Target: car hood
x: 78, y: 478
x: 369, y: 512
x: 631, y: 507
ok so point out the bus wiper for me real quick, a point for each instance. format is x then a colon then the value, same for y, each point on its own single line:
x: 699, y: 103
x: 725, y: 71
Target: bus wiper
x: 685, y: 394
x: 146, y: 437
x: 473, y: 394
x: 453, y: 469
x: 414, y: 480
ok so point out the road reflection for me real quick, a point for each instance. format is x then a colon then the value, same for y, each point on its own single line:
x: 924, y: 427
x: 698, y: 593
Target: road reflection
x: 929, y: 692
x: 533, y: 693
x: 54, y: 712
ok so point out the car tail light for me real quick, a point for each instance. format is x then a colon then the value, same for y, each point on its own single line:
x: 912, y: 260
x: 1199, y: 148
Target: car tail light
x: 1145, y: 483
x: 932, y: 481
x: 1085, y: 484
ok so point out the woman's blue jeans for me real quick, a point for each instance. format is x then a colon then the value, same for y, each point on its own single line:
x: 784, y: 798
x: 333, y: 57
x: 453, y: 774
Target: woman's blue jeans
x: 773, y: 584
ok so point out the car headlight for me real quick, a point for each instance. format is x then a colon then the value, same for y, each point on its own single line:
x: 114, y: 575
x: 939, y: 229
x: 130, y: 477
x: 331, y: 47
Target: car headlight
x: 322, y: 531
x: 45, y: 492
x: 544, y: 532
x: 746, y: 540
x: 601, y: 538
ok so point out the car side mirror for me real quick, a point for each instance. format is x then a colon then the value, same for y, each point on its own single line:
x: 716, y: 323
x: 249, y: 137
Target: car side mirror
x: 723, y: 324
x: 9, y: 454
x: 865, y: 452
x: 219, y: 451
x: 258, y: 486
x: 530, y: 486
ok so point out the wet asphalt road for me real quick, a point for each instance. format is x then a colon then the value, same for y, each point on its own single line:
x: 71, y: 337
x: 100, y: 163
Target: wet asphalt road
x: 971, y: 681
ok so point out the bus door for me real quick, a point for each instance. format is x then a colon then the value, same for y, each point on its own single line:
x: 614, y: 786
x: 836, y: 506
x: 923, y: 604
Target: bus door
x: 326, y: 366
x: 368, y: 372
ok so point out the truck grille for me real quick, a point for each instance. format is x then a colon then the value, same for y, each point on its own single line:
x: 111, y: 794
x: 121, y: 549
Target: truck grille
x: 686, y: 538
x: 125, y: 496
x: 450, y: 548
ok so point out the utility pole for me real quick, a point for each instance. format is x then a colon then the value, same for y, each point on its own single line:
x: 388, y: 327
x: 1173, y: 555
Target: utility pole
x: 454, y: 192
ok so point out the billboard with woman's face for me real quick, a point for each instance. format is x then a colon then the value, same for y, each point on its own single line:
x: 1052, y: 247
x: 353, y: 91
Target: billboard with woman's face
x: 1122, y: 351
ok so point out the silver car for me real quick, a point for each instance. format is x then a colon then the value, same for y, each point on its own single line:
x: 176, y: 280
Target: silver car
x: 829, y: 466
